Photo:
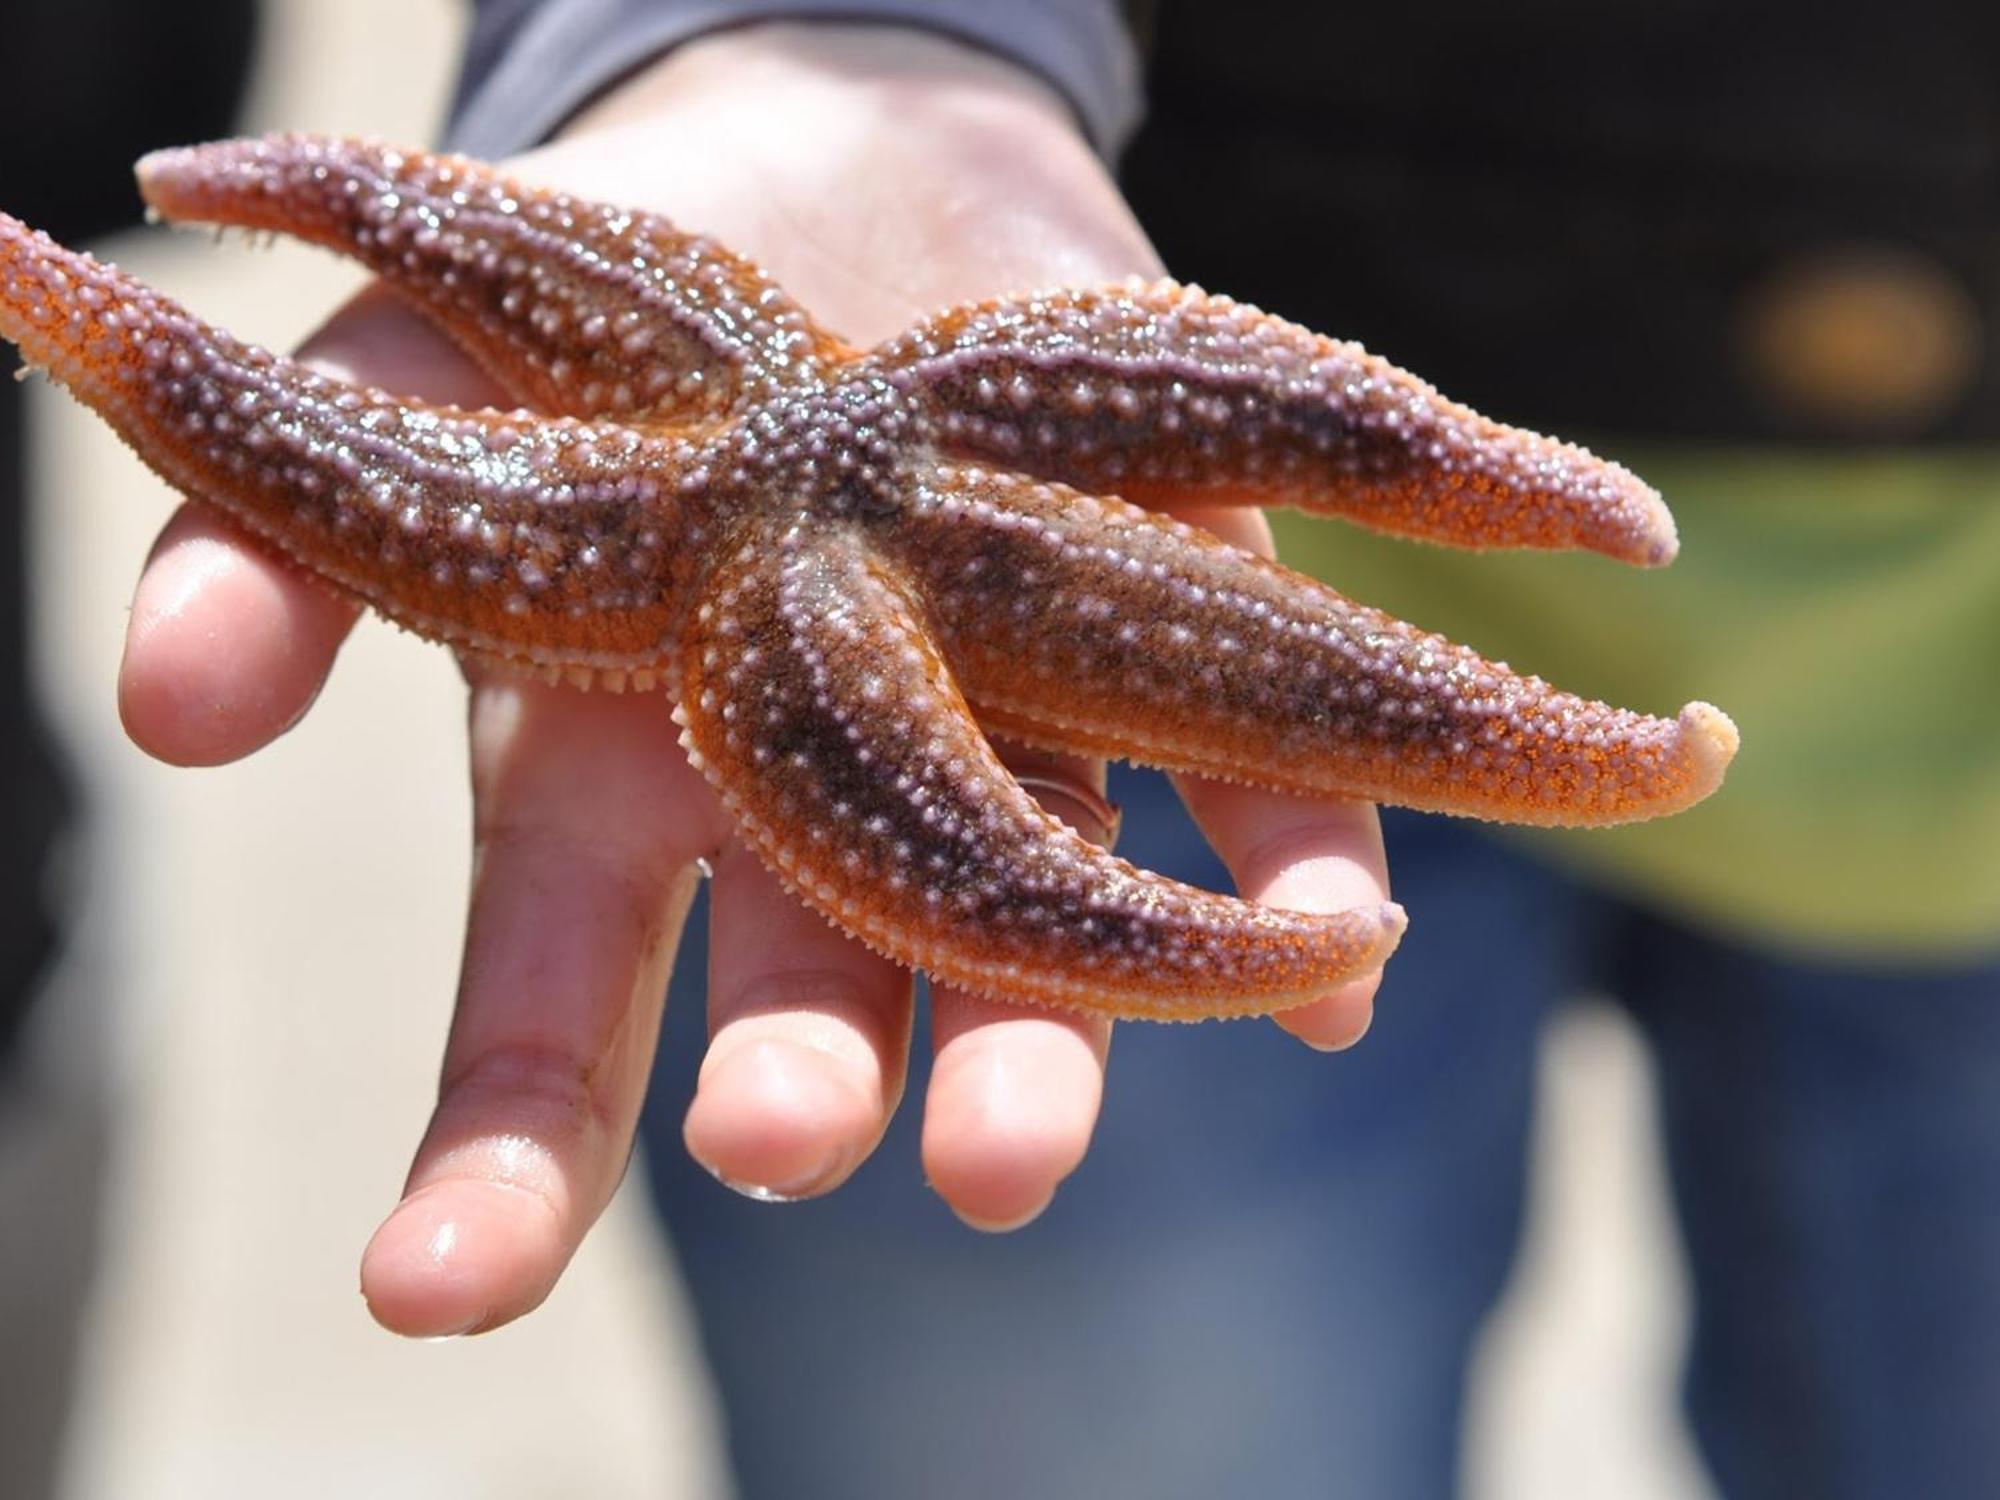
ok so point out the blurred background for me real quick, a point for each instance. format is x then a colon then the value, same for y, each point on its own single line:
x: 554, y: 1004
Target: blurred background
x: 214, y: 1105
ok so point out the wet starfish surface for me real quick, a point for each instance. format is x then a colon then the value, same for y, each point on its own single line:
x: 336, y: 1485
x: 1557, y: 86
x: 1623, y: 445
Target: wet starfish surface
x: 841, y: 563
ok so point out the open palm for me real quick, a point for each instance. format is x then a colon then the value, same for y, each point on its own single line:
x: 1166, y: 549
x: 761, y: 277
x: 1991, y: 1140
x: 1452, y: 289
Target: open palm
x: 877, y: 174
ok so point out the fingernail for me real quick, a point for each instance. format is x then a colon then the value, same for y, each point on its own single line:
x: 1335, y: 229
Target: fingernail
x: 1078, y: 803
x: 1002, y: 1226
x: 1342, y: 1043
x: 450, y: 1335
x: 442, y: 1335
x: 804, y: 1185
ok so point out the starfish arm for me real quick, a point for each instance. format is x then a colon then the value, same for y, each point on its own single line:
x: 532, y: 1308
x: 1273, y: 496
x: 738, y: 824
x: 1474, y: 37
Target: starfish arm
x: 1092, y: 625
x: 1164, y: 394
x: 576, y: 307
x: 551, y: 543
x: 816, y: 704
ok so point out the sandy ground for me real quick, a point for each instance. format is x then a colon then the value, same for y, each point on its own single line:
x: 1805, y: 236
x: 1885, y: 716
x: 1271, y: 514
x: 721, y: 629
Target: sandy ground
x: 222, y: 1093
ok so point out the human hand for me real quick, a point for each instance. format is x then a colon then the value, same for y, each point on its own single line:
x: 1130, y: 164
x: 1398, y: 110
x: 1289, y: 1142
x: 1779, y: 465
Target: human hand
x: 877, y: 174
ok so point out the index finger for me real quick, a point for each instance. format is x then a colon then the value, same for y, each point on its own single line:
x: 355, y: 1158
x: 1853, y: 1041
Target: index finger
x: 227, y: 644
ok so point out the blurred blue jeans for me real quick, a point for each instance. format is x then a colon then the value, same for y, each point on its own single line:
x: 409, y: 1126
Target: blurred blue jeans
x: 1268, y: 1275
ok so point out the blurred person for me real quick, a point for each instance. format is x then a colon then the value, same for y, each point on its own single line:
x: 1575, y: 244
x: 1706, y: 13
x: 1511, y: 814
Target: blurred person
x: 1760, y: 246
x: 104, y: 81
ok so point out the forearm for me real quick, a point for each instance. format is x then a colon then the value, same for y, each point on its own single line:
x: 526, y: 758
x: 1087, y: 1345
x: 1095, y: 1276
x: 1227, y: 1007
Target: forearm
x: 876, y: 171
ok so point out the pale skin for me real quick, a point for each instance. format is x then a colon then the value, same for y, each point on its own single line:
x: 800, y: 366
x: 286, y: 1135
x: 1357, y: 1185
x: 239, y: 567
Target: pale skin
x: 878, y: 173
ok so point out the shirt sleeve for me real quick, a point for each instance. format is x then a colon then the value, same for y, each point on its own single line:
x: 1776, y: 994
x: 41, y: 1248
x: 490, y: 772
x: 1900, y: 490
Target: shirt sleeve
x: 530, y: 64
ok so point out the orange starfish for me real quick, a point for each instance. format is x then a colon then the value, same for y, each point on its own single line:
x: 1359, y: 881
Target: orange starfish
x: 842, y: 562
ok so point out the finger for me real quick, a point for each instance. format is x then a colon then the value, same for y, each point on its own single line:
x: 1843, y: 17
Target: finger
x: 1313, y: 854
x: 809, y: 1040
x: 227, y: 645
x: 1248, y: 529
x: 1306, y: 854
x: 587, y: 825
x: 1014, y: 1092
x: 376, y: 340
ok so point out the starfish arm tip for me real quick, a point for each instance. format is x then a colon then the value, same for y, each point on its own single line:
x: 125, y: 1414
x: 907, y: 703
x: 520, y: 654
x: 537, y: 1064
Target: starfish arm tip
x: 1358, y: 941
x: 1631, y: 521
x: 1660, y: 541
x: 157, y: 166
x: 1393, y: 922
x: 1711, y: 741
x: 168, y: 177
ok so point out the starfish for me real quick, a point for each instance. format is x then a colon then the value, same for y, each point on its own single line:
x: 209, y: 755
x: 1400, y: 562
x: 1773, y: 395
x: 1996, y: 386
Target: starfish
x: 842, y: 563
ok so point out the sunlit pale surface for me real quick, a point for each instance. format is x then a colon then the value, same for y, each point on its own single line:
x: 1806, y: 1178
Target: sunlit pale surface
x: 1574, y: 1386
x: 271, y: 1067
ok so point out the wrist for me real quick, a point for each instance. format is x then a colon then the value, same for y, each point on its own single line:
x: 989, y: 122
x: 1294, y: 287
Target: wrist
x: 877, y: 169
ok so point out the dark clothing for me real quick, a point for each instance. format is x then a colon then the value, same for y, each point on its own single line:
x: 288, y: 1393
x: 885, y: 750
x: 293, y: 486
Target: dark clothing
x: 1565, y: 214
x: 531, y: 64
x: 104, y: 81
x: 1559, y: 211
x: 36, y: 800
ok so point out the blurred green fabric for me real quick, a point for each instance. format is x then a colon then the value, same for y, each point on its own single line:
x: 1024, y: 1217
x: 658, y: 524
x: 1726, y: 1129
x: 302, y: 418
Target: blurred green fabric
x: 1844, y: 609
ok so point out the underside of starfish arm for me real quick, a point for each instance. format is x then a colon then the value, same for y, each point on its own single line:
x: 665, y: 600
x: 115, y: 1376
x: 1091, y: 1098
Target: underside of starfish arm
x: 1092, y: 625
x: 539, y: 542
x: 1164, y: 394
x: 576, y: 307
x: 817, y: 706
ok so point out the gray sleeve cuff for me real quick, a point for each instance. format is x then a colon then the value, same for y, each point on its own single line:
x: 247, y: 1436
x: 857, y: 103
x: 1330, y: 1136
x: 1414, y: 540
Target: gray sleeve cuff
x: 531, y: 64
